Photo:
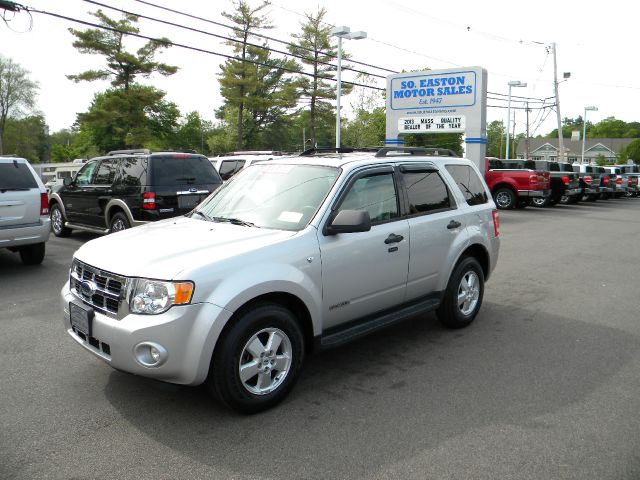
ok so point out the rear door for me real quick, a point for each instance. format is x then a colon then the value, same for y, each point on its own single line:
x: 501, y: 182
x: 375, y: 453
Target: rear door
x: 433, y: 227
x: 19, y: 195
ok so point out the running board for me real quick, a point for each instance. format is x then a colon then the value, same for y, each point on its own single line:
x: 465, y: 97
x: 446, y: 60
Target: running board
x: 86, y: 228
x: 376, y: 322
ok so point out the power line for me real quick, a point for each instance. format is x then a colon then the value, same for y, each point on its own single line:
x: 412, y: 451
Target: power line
x: 263, y: 47
x: 197, y: 49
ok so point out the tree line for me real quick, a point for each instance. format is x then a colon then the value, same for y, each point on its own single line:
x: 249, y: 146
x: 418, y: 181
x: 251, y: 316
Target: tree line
x: 279, y: 102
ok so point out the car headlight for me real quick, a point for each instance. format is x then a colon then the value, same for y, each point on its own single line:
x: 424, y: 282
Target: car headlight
x: 154, y: 296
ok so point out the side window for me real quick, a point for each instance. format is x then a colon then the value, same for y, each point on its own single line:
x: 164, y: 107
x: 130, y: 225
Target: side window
x: 376, y: 194
x: 86, y: 173
x: 134, y: 171
x: 228, y: 168
x: 469, y: 183
x: 106, y: 173
x: 426, y: 191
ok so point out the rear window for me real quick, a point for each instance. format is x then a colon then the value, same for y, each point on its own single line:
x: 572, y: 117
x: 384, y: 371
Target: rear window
x: 469, y: 183
x: 16, y: 175
x: 183, y: 170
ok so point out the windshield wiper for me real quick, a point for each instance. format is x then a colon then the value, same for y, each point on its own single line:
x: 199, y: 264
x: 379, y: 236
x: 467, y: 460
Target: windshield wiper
x: 203, y: 215
x: 235, y: 221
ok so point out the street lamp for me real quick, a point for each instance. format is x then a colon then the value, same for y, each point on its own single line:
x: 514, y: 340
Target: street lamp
x: 584, y: 128
x: 342, y: 32
x: 512, y: 83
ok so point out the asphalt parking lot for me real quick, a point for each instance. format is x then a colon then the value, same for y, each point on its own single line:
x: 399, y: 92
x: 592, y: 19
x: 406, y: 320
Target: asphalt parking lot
x: 545, y: 384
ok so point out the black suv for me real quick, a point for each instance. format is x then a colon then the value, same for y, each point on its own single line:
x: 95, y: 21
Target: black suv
x: 131, y: 187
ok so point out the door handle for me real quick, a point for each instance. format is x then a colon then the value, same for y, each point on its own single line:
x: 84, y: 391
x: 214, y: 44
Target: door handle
x: 453, y: 224
x: 393, y: 238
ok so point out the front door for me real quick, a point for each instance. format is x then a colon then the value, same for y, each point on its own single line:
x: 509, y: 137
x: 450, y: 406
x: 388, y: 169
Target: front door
x: 366, y: 272
x: 75, y: 195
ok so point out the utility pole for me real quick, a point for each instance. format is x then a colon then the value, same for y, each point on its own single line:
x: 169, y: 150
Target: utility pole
x: 560, y: 157
x: 526, y: 140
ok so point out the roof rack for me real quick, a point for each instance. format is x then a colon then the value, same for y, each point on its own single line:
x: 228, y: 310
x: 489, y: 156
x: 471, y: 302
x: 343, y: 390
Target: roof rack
x: 410, y: 151
x: 138, y: 151
x: 318, y: 150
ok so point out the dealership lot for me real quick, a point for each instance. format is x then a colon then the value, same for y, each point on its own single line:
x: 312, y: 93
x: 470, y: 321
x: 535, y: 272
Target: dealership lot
x: 544, y: 384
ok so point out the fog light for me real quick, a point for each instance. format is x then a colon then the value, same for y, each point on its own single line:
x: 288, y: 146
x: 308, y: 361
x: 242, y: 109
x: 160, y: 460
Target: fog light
x: 150, y: 354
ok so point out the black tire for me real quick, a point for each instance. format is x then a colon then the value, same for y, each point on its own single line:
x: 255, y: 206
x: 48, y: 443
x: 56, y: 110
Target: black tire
x: 504, y: 198
x: 540, y: 202
x: 32, y: 254
x: 119, y: 222
x: 522, y: 203
x: 57, y: 221
x: 452, y: 313
x: 257, y: 323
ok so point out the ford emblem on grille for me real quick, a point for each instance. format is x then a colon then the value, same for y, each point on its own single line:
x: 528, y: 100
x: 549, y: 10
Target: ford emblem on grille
x: 193, y: 190
x: 88, y: 288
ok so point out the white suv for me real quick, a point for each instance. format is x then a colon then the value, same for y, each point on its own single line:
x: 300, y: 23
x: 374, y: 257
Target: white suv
x: 24, y: 210
x: 291, y: 255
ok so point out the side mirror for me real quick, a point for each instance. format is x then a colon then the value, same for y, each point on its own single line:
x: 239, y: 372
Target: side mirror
x: 66, y: 181
x: 349, y: 221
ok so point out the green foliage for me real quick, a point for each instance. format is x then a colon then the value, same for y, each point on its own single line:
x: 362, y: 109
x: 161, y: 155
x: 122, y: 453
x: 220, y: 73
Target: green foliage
x: 495, y: 139
x: 601, y: 160
x: 633, y: 151
x: 367, y: 129
x: 610, y: 128
x: 191, y: 133
x: 27, y: 137
x: 133, y: 118
x: 314, y: 44
x: 122, y: 66
x: 17, y: 94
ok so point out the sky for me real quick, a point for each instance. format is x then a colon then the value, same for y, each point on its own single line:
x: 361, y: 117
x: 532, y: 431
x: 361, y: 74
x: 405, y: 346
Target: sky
x: 595, y: 42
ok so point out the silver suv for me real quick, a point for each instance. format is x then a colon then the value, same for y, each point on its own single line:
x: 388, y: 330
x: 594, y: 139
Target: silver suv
x: 24, y: 210
x: 289, y: 256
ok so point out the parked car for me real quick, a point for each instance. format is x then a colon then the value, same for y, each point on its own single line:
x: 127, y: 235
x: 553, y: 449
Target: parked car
x: 607, y: 183
x: 563, y: 181
x: 228, y: 165
x: 293, y: 255
x: 514, y: 182
x: 24, y: 210
x: 590, y: 181
x: 621, y: 181
x: 127, y: 188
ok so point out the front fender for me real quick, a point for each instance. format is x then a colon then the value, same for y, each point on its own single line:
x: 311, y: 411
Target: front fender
x: 233, y: 292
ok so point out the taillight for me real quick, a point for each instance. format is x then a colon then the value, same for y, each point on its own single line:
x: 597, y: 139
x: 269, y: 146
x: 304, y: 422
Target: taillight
x: 44, y: 204
x: 605, y: 180
x: 629, y: 181
x: 619, y: 181
x: 587, y: 179
x: 149, y: 201
x: 496, y: 222
x: 533, y: 180
x: 565, y: 180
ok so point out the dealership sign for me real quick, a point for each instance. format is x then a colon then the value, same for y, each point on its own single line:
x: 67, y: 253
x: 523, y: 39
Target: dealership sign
x: 439, y: 101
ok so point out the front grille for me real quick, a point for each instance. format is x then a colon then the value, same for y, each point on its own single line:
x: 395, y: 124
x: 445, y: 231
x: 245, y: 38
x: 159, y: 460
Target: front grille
x: 109, y: 291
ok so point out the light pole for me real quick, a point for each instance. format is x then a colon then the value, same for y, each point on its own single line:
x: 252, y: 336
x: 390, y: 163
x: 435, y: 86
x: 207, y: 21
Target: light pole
x: 342, y: 32
x: 584, y: 128
x: 513, y: 83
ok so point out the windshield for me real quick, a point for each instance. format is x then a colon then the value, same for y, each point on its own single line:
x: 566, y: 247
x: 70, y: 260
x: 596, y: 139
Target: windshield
x: 282, y: 197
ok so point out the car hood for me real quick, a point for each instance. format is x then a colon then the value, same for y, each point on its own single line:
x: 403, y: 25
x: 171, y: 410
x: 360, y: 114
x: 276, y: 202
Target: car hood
x: 164, y: 249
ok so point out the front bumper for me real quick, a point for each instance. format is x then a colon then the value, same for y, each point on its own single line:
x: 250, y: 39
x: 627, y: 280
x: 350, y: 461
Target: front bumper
x: 188, y: 333
x: 534, y: 193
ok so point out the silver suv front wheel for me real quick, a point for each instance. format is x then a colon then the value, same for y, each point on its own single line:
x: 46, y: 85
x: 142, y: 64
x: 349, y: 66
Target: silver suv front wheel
x: 257, y: 358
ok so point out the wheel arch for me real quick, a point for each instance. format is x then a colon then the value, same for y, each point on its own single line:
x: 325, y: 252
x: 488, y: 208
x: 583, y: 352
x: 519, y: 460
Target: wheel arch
x: 114, y: 206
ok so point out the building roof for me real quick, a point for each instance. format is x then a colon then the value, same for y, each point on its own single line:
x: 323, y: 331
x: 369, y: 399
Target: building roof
x: 575, y: 146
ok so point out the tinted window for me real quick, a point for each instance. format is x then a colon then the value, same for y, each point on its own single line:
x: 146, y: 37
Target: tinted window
x: 86, y: 173
x: 494, y: 164
x: 16, y: 175
x: 375, y: 194
x: 469, y: 183
x: 183, y: 170
x: 426, y: 191
x: 106, y: 173
x: 229, y: 167
x: 134, y: 171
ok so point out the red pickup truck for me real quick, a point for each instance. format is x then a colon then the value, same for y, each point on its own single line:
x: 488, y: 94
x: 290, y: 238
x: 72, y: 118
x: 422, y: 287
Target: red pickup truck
x: 513, y: 187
